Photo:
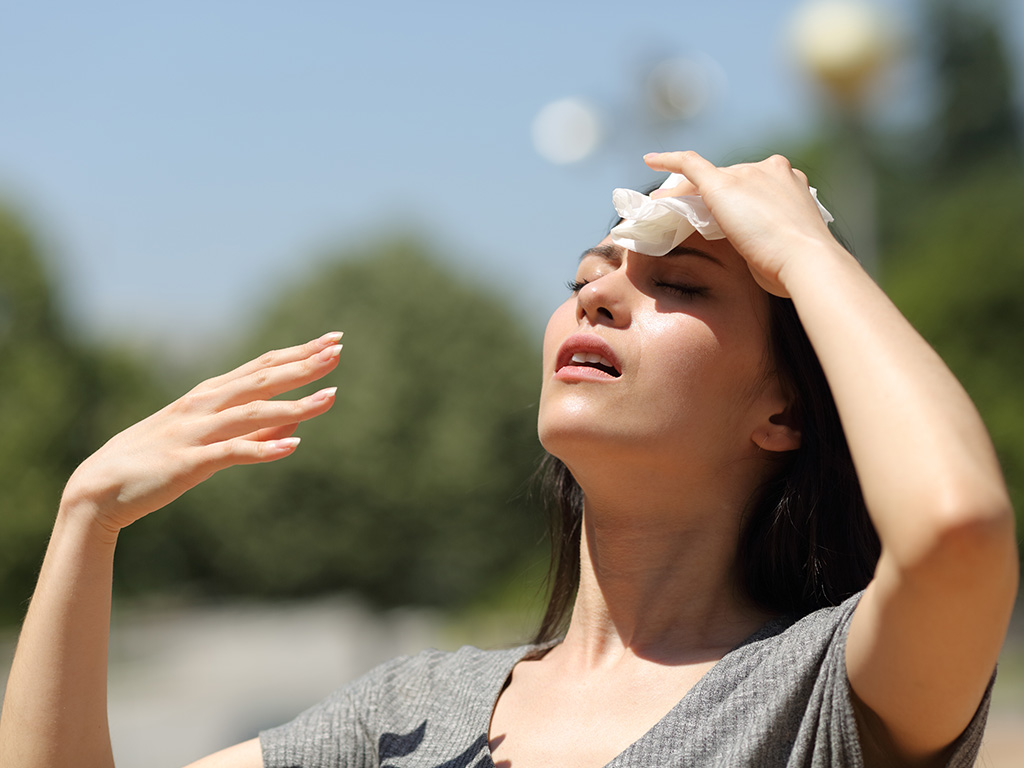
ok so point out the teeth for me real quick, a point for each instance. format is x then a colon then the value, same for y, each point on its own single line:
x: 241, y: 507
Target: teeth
x: 590, y: 357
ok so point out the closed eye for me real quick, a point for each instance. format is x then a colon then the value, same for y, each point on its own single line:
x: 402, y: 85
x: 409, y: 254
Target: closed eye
x: 683, y: 289
x: 575, y: 286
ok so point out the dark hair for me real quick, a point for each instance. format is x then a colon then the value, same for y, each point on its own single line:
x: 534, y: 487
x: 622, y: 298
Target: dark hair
x: 807, y: 541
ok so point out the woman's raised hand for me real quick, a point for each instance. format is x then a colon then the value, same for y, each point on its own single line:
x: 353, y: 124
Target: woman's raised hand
x: 224, y: 421
x: 55, y: 706
x: 765, y: 209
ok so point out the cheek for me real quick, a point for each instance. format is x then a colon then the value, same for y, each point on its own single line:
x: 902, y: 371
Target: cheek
x: 681, y: 351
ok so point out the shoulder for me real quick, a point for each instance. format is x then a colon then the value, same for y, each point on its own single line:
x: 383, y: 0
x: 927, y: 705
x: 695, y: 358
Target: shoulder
x: 797, y: 664
x: 789, y: 639
x: 787, y: 689
x: 780, y: 698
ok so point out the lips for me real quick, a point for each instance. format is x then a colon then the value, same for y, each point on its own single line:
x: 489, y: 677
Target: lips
x: 587, y: 356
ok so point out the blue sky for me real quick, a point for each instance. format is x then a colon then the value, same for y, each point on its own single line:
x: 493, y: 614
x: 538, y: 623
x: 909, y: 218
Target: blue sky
x: 182, y: 160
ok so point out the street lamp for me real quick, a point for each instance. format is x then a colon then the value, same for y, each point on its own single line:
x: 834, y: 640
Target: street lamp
x: 846, y: 45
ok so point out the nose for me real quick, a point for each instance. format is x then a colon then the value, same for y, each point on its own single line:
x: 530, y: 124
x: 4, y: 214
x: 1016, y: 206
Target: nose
x: 604, y: 301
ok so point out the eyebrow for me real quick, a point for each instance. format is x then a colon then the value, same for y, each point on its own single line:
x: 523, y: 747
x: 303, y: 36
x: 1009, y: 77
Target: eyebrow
x: 606, y: 252
x: 614, y: 253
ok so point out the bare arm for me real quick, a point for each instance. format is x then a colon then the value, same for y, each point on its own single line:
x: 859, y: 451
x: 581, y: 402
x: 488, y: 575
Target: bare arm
x: 926, y: 635
x: 925, y: 638
x: 245, y: 755
x: 55, y: 707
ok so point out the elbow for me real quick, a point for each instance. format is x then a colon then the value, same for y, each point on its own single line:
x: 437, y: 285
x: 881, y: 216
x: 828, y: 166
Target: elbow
x: 977, y: 520
x: 972, y: 540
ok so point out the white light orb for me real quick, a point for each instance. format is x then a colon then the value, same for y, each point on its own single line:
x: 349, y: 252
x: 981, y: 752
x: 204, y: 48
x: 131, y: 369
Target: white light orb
x: 566, y: 131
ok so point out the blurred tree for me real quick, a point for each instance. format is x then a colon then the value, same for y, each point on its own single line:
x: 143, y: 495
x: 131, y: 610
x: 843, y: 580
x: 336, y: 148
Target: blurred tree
x: 955, y: 256
x: 952, y: 234
x: 977, y: 118
x: 957, y: 271
x: 412, y: 489
x: 58, y: 401
x: 36, y: 410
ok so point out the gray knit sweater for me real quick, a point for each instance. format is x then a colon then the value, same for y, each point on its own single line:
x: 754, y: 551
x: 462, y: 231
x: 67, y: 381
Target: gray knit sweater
x: 779, y: 699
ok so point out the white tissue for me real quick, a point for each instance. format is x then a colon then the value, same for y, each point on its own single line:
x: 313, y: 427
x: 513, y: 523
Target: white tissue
x: 655, y: 227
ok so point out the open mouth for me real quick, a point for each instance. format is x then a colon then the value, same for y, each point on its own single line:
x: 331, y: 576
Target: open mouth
x: 594, y: 360
x: 588, y: 357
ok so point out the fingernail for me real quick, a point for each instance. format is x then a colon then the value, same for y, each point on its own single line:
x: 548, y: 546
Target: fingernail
x: 331, y: 352
x: 285, y: 443
x: 332, y: 338
x: 325, y: 394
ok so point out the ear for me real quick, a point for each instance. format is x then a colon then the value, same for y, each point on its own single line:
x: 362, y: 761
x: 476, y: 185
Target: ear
x: 780, y: 433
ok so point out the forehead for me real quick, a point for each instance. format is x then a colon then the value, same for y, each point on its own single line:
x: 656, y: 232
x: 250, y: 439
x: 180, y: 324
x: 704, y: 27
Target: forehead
x: 719, y: 252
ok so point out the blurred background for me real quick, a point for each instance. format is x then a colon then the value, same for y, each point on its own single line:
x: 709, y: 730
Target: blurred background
x: 183, y: 186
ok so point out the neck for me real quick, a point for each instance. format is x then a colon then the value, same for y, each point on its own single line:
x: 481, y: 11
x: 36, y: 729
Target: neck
x: 658, y: 575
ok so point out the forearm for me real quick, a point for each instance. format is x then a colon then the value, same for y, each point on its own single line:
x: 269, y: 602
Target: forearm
x: 55, y: 707
x: 925, y: 462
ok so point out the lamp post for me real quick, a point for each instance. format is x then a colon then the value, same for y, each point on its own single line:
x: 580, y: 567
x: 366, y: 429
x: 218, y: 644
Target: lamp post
x: 845, y: 45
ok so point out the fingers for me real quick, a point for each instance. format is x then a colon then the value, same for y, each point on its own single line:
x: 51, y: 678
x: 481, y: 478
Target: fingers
x: 242, y: 451
x: 275, y: 358
x: 701, y: 172
x: 272, y: 433
x: 256, y: 432
x: 261, y: 420
x: 689, y: 163
x: 234, y: 420
x: 683, y: 188
x: 268, y: 376
x: 265, y: 383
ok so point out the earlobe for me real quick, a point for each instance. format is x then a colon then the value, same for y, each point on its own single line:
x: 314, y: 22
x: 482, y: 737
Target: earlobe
x: 780, y: 434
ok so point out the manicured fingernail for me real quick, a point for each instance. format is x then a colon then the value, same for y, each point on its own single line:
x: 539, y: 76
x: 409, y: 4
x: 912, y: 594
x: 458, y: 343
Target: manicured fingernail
x: 285, y: 443
x: 331, y: 352
x: 331, y: 338
x: 325, y: 394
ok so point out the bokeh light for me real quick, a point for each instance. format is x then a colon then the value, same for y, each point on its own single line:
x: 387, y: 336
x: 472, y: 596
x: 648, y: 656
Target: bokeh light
x: 566, y: 131
x: 681, y: 87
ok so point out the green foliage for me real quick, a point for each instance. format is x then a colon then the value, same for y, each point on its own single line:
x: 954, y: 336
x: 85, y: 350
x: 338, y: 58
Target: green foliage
x: 35, y: 411
x: 977, y: 118
x: 957, y: 272
x: 412, y: 489
x: 56, y: 400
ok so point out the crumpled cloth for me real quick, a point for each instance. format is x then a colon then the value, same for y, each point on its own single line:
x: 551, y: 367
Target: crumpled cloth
x: 655, y: 227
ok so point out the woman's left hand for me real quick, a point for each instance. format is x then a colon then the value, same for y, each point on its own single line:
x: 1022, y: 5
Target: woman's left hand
x: 765, y: 210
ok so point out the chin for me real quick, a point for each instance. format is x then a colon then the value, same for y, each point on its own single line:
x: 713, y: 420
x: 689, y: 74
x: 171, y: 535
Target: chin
x: 575, y: 441
x: 564, y: 440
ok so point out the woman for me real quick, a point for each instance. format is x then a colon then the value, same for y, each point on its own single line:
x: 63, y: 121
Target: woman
x: 663, y: 398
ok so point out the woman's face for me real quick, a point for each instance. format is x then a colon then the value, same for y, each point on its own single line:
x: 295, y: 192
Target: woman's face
x: 661, y: 359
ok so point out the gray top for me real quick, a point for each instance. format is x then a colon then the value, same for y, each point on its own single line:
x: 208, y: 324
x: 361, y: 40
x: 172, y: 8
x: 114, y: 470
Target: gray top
x: 781, y: 698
